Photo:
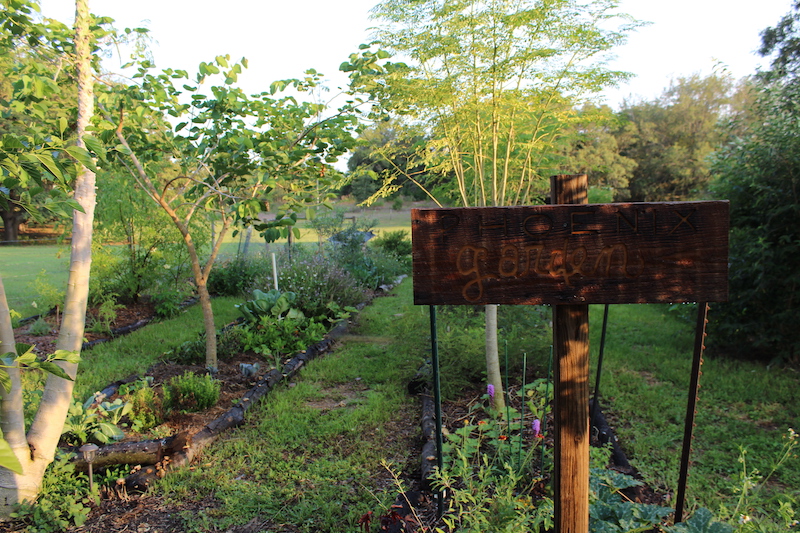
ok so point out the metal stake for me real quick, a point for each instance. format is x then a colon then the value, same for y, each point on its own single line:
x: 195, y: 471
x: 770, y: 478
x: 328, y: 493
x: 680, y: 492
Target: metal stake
x: 599, y: 366
x: 437, y: 401
x: 691, y: 407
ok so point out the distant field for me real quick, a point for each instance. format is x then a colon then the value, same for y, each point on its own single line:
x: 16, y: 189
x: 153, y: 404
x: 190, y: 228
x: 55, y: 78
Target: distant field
x: 20, y: 265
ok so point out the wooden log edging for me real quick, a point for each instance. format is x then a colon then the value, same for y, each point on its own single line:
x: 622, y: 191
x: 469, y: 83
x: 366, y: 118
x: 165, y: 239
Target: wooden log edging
x: 235, y: 415
x: 428, y: 453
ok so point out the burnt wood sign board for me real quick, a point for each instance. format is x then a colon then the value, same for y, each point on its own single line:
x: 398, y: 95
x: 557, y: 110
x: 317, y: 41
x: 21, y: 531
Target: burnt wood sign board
x: 569, y: 254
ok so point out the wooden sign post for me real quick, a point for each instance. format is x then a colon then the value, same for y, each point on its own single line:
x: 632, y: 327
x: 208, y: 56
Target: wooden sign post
x: 570, y: 255
x: 571, y: 391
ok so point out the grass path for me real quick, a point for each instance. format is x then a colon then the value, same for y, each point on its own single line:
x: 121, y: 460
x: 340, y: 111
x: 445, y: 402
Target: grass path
x: 309, y: 457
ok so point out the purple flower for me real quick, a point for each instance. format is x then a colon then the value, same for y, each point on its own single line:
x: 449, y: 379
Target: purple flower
x: 537, y: 428
x: 490, y: 391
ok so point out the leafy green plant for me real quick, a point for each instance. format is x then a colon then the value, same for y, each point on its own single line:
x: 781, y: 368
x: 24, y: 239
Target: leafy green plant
x: 145, y: 412
x: 274, y: 327
x: 190, y: 392
x: 275, y: 304
x: 40, y: 327
x: 278, y: 336
x: 106, y: 314
x: 88, y: 423
x: 610, y: 512
x: 64, y: 499
x: 393, y: 242
x: 702, y: 521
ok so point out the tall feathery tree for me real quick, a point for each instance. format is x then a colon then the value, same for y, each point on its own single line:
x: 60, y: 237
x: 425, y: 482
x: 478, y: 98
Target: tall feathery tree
x: 495, y: 82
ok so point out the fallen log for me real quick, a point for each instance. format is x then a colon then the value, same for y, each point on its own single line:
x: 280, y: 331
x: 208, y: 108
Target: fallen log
x: 148, y: 452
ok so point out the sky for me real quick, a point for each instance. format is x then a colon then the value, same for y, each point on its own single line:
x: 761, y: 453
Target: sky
x: 281, y: 39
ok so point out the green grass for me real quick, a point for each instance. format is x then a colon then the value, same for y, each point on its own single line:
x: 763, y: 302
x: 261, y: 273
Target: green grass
x: 310, y: 454
x: 136, y: 352
x: 645, y: 385
x: 19, y: 267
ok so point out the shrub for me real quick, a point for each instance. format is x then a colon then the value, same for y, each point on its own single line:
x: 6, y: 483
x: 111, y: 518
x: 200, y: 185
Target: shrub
x: 371, y: 267
x: 317, y: 282
x: 146, y: 411
x: 394, y: 242
x: 235, y: 277
x: 190, y: 392
x: 167, y: 303
x: 40, y: 327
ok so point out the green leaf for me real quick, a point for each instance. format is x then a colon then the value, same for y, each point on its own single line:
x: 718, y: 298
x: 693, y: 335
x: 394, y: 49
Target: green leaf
x: 23, y: 348
x: 5, y: 381
x: 47, y: 162
x: 94, y: 144
x: 66, y: 355
x: 53, y: 368
x: 82, y: 156
x: 62, y: 125
x: 8, y: 459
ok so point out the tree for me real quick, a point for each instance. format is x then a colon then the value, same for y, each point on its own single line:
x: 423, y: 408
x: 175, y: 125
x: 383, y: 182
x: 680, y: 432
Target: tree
x: 386, y: 160
x: 234, y: 153
x: 593, y: 148
x: 495, y: 84
x: 783, y: 40
x: 671, y: 137
x: 35, y: 450
x: 38, y: 108
x: 758, y: 170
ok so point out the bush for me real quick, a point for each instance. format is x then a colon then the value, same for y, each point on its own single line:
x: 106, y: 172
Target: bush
x: 317, y: 282
x: 759, y: 172
x: 146, y: 411
x: 236, y: 277
x: 394, y: 242
x: 190, y: 392
x: 371, y: 267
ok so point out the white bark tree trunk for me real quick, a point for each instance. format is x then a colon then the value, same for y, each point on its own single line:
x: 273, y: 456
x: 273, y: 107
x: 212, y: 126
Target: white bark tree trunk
x: 38, y: 450
x: 493, y: 375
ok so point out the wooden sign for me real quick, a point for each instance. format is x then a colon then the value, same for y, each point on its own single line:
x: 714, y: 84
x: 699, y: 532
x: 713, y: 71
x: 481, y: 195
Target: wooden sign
x: 568, y: 254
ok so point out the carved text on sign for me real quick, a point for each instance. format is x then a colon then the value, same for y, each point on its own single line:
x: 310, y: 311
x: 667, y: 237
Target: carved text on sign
x: 571, y: 253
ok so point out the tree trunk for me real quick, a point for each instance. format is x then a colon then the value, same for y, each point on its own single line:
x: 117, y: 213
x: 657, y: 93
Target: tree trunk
x: 12, y: 218
x: 493, y: 375
x: 45, y: 431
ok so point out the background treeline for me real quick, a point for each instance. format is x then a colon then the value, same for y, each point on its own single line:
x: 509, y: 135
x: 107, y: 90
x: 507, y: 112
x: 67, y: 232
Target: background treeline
x: 704, y: 137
